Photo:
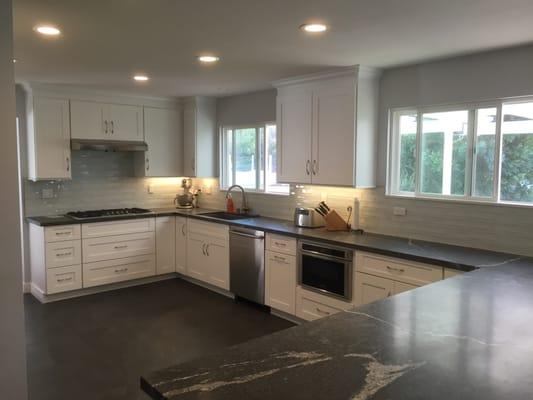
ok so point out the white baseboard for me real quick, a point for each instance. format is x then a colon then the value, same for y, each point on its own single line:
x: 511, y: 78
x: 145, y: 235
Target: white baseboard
x: 216, y: 289
x: 288, y: 317
x: 26, y: 287
x: 48, y: 298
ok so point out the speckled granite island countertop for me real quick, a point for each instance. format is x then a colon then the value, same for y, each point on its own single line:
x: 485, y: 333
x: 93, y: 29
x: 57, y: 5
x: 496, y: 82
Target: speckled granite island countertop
x: 468, y: 337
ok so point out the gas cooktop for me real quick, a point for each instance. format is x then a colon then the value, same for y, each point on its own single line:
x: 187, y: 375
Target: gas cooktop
x: 111, y: 213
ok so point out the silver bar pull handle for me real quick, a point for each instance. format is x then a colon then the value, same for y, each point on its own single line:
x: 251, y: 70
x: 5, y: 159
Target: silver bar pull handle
x: 112, y: 127
x: 106, y: 127
x: 307, y: 167
x: 246, y: 235
x: 68, y: 163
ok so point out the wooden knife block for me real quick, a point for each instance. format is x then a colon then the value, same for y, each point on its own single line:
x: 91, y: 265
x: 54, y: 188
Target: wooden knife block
x: 334, y: 222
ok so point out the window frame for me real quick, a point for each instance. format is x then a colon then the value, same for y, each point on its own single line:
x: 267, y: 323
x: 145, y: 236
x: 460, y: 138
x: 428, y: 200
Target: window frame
x: 261, y: 143
x: 393, y: 152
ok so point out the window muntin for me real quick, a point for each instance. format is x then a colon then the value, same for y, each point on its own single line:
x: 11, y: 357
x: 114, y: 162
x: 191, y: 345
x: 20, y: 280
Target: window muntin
x: 474, y: 152
x: 516, y: 182
x: 248, y: 158
x: 443, y: 152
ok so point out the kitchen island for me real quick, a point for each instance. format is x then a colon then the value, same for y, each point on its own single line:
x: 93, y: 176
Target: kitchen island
x: 468, y: 337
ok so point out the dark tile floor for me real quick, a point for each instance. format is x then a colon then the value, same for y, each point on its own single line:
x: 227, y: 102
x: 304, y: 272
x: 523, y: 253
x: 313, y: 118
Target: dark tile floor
x: 96, y: 347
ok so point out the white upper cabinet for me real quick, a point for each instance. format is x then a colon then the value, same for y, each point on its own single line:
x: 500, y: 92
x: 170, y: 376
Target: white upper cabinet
x: 327, y: 128
x: 163, y: 134
x: 294, y: 110
x: 200, y: 137
x: 48, y: 130
x: 126, y: 122
x: 89, y: 120
x: 104, y: 121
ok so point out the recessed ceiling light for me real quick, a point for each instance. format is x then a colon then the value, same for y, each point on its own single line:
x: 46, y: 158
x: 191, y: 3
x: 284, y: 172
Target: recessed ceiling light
x: 14, y: 60
x: 314, y: 28
x: 141, y: 78
x: 47, y: 30
x: 208, y: 59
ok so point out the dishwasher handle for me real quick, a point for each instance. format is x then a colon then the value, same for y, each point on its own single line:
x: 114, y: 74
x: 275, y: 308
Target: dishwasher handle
x: 247, y: 235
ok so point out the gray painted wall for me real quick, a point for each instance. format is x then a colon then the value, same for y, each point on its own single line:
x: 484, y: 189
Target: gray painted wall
x: 247, y: 108
x: 12, y: 337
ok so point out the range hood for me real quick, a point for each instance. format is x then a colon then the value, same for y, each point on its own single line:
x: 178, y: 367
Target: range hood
x: 107, y: 145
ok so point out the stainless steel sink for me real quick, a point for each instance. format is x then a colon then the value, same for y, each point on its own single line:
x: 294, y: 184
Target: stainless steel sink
x: 228, y: 216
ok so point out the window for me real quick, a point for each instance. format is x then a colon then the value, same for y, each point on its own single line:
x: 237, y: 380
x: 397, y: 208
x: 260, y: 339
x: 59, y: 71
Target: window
x: 248, y: 158
x: 471, y: 152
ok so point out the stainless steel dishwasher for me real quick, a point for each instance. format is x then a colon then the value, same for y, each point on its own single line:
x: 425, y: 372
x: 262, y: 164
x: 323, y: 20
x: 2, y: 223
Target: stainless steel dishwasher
x: 247, y: 263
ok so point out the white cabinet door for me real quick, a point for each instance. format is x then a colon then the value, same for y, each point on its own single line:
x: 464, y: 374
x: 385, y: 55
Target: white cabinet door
x: 164, y: 136
x: 400, y: 287
x: 89, y: 120
x: 450, y: 273
x: 218, y: 262
x: 165, y: 231
x: 181, y: 245
x: 334, y: 133
x: 197, y: 263
x: 280, y: 282
x: 126, y: 122
x: 49, y: 151
x: 369, y: 288
x: 189, y: 140
x: 294, y: 137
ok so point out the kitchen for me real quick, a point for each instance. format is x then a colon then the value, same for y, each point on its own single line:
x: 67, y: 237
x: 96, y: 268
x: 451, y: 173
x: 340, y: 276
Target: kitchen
x: 365, y: 218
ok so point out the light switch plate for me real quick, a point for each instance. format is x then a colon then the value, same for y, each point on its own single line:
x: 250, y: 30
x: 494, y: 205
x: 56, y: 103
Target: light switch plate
x: 399, y: 211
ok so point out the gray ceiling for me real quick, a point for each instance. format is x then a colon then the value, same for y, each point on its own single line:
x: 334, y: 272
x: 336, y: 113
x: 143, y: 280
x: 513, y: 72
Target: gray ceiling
x: 104, y: 42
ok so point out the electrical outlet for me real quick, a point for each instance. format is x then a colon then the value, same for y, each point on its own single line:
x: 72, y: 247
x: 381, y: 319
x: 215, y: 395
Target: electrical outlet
x: 149, y: 189
x: 399, y: 211
x: 47, y: 193
x: 206, y: 189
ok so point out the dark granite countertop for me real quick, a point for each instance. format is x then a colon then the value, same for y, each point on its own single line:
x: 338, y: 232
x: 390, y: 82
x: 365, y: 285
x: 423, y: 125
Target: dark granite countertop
x: 456, y: 257
x: 467, y: 337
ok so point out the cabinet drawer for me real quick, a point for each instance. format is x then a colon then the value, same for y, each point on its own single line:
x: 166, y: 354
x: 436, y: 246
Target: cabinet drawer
x: 208, y: 229
x: 387, y: 267
x: 112, y: 271
x: 281, y: 244
x: 61, y: 254
x: 98, y: 229
x: 61, y: 232
x: 120, y: 246
x: 311, y: 310
x: 62, y: 279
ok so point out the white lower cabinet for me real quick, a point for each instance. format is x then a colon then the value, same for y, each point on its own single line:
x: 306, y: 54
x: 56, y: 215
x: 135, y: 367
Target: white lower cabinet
x: 119, y: 270
x: 378, y: 277
x: 55, y: 259
x: 311, y: 305
x: 181, y: 245
x: 369, y: 288
x: 62, y: 279
x: 450, y: 273
x: 280, y: 281
x: 208, y: 253
x: 165, y: 232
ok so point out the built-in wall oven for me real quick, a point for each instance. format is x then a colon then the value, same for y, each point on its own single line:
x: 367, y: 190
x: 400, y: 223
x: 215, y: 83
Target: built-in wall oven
x: 326, y: 269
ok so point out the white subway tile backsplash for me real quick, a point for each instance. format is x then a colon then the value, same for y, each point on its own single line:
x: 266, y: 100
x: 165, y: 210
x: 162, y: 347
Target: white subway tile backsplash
x: 105, y: 180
